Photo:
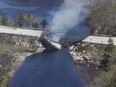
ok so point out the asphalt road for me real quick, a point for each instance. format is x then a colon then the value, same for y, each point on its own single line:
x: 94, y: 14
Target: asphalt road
x: 27, y: 32
x: 19, y: 31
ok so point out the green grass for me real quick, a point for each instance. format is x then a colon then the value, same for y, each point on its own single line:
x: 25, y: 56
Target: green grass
x: 7, y: 48
x: 4, y: 47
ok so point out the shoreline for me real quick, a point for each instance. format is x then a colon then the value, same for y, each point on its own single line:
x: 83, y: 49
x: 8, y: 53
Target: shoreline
x: 83, y: 68
x: 20, y: 57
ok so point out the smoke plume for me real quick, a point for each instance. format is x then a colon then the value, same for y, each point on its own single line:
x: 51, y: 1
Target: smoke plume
x: 70, y: 14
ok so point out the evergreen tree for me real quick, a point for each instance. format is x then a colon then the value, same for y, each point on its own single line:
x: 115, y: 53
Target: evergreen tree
x: 20, y: 20
x: 5, y: 20
x: 106, y: 56
x: 29, y: 17
x: 44, y: 23
x: 36, y: 25
x: 32, y: 21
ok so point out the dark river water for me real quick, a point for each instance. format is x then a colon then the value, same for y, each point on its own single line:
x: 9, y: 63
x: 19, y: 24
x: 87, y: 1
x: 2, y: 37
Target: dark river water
x: 53, y: 69
x: 38, y: 8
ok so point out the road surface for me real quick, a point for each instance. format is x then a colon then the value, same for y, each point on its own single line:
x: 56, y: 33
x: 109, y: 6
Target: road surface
x: 27, y: 32
x: 19, y: 31
x: 99, y: 40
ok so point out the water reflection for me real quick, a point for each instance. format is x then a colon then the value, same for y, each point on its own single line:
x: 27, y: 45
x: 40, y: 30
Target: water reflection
x: 39, y: 8
x: 55, y: 69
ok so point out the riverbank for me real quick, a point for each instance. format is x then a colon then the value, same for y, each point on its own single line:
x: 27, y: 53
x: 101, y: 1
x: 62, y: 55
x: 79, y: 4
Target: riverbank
x: 10, y: 62
x: 13, y: 51
x: 20, y: 50
x: 87, y: 59
x: 20, y: 57
x: 88, y: 72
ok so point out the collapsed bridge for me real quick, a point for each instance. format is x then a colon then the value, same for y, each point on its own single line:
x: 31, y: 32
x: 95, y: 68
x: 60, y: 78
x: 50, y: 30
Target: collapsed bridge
x: 38, y: 33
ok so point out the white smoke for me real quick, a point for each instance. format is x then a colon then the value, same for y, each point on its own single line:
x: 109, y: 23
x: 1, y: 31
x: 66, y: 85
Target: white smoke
x: 67, y: 17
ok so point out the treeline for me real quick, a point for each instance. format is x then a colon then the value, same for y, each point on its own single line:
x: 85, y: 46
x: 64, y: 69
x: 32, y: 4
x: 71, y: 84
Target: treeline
x: 103, y: 17
x: 22, y: 21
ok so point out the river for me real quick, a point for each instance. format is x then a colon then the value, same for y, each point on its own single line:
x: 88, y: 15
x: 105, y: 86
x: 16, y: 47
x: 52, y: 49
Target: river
x: 51, y: 69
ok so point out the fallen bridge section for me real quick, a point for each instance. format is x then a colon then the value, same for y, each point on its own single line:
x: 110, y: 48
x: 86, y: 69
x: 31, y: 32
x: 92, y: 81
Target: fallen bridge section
x: 50, y: 45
